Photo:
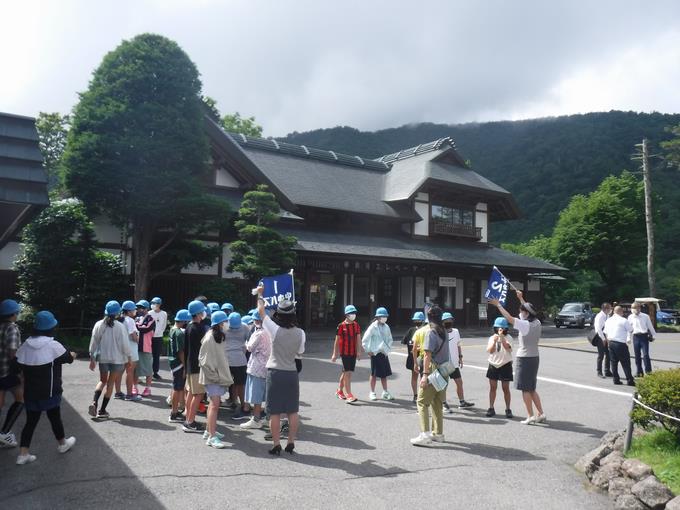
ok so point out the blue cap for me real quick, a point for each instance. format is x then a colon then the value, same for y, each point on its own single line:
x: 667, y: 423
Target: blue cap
x: 44, y: 321
x: 156, y: 301
x: 252, y: 311
x: 196, y: 307
x: 501, y: 322
x: 447, y: 316
x: 213, y: 307
x: 128, y: 306
x: 350, y: 309
x: 183, y: 315
x: 9, y: 307
x: 382, y: 312
x: 112, y: 308
x: 218, y: 317
x: 143, y: 303
x: 247, y: 319
x: 256, y: 316
x: 228, y: 306
x: 234, y: 320
x: 418, y: 316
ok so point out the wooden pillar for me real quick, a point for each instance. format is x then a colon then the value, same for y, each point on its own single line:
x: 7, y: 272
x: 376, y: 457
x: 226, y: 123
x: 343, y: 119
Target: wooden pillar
x: 308, y: 300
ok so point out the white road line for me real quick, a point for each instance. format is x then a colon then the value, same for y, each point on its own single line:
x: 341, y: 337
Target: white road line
x: 555, y: 381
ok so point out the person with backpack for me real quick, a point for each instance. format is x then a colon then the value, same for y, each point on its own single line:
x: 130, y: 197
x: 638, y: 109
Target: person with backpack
x: 417, y: 319
x: 177, y: 364
x: 10, y: 340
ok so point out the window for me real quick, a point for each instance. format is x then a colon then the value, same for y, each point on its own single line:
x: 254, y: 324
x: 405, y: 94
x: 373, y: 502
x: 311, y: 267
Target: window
x: 453, y: 215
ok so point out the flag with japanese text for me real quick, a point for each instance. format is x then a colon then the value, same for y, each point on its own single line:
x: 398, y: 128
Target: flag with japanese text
x: 277, y: 288
x: 497, y: 287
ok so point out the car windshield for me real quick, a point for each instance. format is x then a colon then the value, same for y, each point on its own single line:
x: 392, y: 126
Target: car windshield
x: 572, y: 308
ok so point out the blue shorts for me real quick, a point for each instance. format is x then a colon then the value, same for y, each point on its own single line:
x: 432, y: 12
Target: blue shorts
x: 178, y: 379
x: 215, y: 390
x: 111, y: 367
x: 256, y: 390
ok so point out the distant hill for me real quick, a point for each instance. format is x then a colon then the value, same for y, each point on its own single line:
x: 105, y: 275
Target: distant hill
x: 543, y: 162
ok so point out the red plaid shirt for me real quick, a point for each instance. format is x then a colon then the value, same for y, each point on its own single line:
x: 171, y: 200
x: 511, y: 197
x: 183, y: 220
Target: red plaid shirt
x: 348, y: 335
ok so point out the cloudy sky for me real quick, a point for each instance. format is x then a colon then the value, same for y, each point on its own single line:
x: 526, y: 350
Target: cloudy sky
x: 300, y: 65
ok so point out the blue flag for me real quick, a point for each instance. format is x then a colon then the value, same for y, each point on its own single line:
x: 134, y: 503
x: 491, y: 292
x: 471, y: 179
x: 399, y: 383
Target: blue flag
x: 277, y: 288
x: 497, y: 287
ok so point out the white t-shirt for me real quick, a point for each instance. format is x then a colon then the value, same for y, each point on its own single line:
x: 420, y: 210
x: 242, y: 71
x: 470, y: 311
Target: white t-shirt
x: 454, y: 342
x: 500, y: 355
x: 131, y: 326
x: 161, y: 319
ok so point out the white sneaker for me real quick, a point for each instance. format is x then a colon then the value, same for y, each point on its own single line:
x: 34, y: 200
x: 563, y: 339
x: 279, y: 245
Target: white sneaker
x: 529, y: 420
x: 8, y: 440
x: 438, y: 438
x: 541, y: 418
x: 169, y: 400
x: 206, y: 435
x: 68, y: 444
x: 386, y: 395
x: 216, y: 442
x: 252, y: 424
x: 25, y: 459
x: 372, y: 396
x: 423, y: 439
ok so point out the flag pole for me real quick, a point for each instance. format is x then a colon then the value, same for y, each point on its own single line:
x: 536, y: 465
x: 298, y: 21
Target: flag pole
x: 292, y: 278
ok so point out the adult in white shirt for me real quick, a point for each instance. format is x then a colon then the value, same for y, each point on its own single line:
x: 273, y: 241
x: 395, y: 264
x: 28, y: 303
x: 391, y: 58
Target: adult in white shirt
x: 602, y: 348
x: 161, y: 318
x: 643, y: 330
x: 616, y: 332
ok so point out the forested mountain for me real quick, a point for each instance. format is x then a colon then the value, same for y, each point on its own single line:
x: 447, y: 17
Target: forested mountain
x: 543, y: 162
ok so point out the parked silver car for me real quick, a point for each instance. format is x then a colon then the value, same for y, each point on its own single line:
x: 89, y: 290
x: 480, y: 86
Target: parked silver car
x: 576, y: 315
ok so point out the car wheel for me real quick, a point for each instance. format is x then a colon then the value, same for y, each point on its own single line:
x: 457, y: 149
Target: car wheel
x: 582, y: 325
x: 557, y: 326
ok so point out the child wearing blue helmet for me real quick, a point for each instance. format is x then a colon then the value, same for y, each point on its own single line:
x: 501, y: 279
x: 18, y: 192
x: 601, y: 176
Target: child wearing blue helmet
x: 377, y: 342
x: 500, y: 364
x: 348, y: 345
x: 418, y: 320
x: 177, y: 364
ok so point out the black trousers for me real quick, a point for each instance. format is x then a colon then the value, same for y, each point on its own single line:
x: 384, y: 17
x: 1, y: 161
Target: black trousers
x: 619, y: 353
x: 156, y: 348
x: 32, y: 419
x: 603, y: 355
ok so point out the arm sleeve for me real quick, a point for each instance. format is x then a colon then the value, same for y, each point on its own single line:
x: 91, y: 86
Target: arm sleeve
x: 303, y: 341
x: 270, y: 326
x: 522, y: 326
x: 599, y: 326
x: 650, y: 326
x: 94, y: 339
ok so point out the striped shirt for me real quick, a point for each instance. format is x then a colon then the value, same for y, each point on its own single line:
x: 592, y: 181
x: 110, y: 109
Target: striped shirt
x: 348, y: 336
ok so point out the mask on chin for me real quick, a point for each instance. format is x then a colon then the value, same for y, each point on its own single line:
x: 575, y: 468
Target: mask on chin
x: 352, y: 317
x: 524, y: 315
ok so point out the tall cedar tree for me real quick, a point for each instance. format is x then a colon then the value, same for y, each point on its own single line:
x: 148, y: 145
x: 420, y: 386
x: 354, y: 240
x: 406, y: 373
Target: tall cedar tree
x: 137, y: 153
x: 52, y: 133
x: 260, y: 250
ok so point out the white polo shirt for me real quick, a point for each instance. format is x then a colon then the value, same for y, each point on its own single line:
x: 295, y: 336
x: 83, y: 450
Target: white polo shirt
x: 617, y: 328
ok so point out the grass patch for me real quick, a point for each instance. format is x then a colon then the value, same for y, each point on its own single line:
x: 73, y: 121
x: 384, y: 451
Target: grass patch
x: 667, y: 328
x: 661, y: 450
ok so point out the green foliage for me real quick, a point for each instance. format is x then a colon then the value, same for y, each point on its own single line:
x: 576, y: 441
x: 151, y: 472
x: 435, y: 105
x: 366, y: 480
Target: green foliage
x: 260, y: 250
x: 52, y: 132
x: 223, y: 291
x: 659, y: 390
x: 61, y: 270
x: 671, y: 147
x: 245, y: 125
x: 661, y: 450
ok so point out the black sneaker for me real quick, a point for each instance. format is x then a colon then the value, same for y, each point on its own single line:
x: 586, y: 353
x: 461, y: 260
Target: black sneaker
x: 631, y: 383
x: 490, y: 412
x: 508, y: 414
x: 465, y: 403
x: 157, y: 377
x: 192, y: 427
x: 102, y: 415
x: 240, y: 414
x: 119, y: 396
x: 618, y: 382
x: 177, y: 418
x: 608, y: 374
x: 599, y: 374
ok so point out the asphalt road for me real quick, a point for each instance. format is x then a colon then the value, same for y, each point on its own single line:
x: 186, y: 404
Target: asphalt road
x: 349, y: 456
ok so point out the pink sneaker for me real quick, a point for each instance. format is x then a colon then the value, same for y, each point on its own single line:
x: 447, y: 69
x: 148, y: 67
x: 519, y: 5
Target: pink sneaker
x: 147, y: 392
x: 134, y: 390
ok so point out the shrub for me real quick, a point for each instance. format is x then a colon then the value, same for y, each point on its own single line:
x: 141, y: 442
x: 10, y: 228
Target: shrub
x: 661, y: 391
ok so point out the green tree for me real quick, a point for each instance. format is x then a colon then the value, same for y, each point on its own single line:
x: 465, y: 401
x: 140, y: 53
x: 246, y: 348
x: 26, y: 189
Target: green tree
x: 236, y: 124
x: 137, y: 153
x: 672, y: 147
x: 260, y: 250
x: 60, y: 268
x: 52, y: 132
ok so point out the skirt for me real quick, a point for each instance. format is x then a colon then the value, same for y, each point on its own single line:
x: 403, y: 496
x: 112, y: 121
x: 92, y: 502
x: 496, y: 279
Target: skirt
x: 526, y: 372
x: 256, y: 389
x: 215, y: 390
x: 144, y: 366
x: 380, y: 365
x: 409, y: 361
x: 283, y: 391
x: 502, y: 373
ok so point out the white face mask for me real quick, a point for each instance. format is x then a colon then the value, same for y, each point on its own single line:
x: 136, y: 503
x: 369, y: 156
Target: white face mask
x: 636, y: 312
x: 224, y: 327
x: 524, y: 315
x: 156, y: 307
x: 351, y: 317
x: 382, y: 320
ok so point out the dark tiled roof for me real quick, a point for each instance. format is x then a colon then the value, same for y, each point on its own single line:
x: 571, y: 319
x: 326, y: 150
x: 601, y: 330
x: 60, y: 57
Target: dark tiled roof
x: 419, y: 149
x: 405, y: 248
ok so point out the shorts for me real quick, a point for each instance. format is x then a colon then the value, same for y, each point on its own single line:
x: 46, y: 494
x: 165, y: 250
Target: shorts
x: 178, y: 379
x: 134, y: 351
x: 111, y: 367
x: 215, y: 390
x: 193, y: 386
x: 456, y: 374
x: 238, y: 374
x: 145, y: 364
x: 256, y: 390
x: 409, y: 361
x: 380, y: 365
x: 9, y: 382
x: 503, y: 373
x: 349, y: 363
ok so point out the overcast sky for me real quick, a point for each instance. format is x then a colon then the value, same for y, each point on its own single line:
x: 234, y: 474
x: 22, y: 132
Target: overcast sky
x: 300, y: 65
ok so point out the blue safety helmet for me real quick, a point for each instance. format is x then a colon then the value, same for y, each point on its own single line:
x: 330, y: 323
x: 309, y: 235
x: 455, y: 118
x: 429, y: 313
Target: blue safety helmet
x: 382, y: 312
x: 143, y: 303
x: 44, y: 321
x: 218, y: 317
x: 501, y: 322
x: 112, y: 308
x: 252, y: 311
x: 234, y: 320
x: 156, y: 301
x: 418, y: 316
x: 228, y: 306
x: 447, y: 316
x: 9, y: 307
x: 196, y: 307
x: 183, y: 315
x: 256, y: 316
x: 247, y: 320
x: 213, y: 307
x: 350, y: 309
x: 128, y: 306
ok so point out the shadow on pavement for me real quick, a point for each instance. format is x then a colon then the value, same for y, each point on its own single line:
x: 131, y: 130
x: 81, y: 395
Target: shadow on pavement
x: 570, y: 426
x: 143, y: 424
x: 490, y: 451
x: 332, y: 437
x: 365, y: 469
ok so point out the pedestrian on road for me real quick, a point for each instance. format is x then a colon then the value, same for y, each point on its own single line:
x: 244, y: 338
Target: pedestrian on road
x: 456, y: 358
x: 146, y: 325
x: 177, y: 364
x: 601, y: 341
x: 499, y: 348
x: 283, y: 384
x: 436, y: 353
x: 214, y: 374
x: 235, y: 350
x: 10, y: 381
x: 527, y: 358
x: 110, y: 346
x: 193, y: 335
x: 126, y: 317
x: 616, y: 331
x: 260, y: 347
x: 377, y: 342
x: 161, y: 319
x: 348, y: 346
x: 643, y: 333
x: 417, y: 319
x: 40, y: 358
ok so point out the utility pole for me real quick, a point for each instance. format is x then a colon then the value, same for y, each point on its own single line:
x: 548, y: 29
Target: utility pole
x: 643, y: 155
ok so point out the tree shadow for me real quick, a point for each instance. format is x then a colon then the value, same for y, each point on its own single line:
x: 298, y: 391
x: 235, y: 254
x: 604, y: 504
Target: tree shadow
x: 570, y: 426
x: 366, y: 469
x: 332, y: 437
x: 143, y: 424
x: 489, y: 451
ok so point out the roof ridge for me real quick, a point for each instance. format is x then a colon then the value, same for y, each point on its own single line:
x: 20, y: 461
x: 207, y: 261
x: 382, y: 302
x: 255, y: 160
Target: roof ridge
x: 303, y: 151
x: 417, y: 150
